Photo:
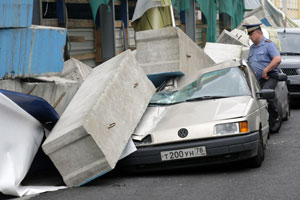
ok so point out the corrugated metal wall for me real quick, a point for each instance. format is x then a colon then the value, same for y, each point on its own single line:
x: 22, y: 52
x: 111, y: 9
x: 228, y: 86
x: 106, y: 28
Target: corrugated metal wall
x: 84, y: 48
x: 120, y: 40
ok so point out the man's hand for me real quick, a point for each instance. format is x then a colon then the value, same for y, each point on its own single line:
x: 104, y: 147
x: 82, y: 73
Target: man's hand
x: 273, y: 64
x: 265, y: 74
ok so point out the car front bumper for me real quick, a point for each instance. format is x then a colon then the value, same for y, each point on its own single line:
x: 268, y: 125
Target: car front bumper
x: 219, y: 150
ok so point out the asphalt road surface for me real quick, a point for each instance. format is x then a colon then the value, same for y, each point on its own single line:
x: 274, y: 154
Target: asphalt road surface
x: 278, y: 178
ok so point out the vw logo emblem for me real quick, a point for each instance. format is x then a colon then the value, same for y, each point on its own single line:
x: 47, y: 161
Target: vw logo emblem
x: 183, y: 132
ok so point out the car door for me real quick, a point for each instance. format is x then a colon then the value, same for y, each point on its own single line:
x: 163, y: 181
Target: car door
x: 262, y: 103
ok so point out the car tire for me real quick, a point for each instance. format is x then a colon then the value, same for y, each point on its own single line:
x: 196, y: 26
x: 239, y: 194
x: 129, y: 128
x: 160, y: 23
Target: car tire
x: 274, y: 128
x: 288, y: 113
x: 257, y: 160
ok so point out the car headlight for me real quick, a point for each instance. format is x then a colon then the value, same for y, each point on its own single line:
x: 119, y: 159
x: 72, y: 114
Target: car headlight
x: 231, y: 128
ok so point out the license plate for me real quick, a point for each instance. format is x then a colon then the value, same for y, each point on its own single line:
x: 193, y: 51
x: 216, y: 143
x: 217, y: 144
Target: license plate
x: 183, y: 153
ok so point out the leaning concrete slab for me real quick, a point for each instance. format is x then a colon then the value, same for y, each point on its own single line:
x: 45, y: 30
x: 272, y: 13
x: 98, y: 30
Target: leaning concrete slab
x: 170, y: 52
x: 92, y: 133
x: 75, y: 70
x: 219, y: 52
x: 236, y: 36
x: 30, y: 52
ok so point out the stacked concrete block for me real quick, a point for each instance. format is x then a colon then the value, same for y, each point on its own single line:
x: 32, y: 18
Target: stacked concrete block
x: 236, y: 36
x: 170, y: 52
x: 219, y: 52
x: 27, y: 52
x: 16, y: 13
x: 92, y: 133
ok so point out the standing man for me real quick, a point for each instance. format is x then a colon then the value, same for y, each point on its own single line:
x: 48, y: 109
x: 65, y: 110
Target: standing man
x: 264, y: 59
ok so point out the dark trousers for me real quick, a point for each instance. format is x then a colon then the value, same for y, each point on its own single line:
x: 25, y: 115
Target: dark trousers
x: 271, y: 83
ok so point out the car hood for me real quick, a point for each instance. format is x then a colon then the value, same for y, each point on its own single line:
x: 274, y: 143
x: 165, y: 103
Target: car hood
x: 163, y: 118
x: 290, y: 62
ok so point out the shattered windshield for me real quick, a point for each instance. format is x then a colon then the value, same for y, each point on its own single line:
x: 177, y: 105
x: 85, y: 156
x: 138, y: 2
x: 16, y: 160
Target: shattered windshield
x: 216, y: 84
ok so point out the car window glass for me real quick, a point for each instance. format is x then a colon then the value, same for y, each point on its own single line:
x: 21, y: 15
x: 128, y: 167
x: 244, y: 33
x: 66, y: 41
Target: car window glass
x: 216, y: 84
x: 255, y: 81
x: 289, y: 42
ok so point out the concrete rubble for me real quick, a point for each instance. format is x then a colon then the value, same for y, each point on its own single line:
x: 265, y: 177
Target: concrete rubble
x: 58, y: 91
x: 169, y: 52
x: 100, y: 108
x: 75, y: 70
x: 235, y: 36
x: 92, y: 133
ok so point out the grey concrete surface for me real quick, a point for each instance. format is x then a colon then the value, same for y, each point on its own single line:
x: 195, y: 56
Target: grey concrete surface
x: 170, y: 50
x: 58, y: 90
x: 236, y: 36
x: 94, y: 130
x: 278, y: 178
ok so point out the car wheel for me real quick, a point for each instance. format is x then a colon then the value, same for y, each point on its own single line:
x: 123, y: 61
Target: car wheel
x: 274, y: 128
x: 288, y: 113
x: 259, y: 158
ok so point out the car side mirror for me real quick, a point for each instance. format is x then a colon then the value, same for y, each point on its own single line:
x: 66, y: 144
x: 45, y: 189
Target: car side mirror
x: 266, y: 94
x: 282, y: 77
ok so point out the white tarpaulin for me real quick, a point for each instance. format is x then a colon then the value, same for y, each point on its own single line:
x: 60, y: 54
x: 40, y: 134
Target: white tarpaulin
x: 252, y: 4
x: 142, y: 6
x: 21, y: 136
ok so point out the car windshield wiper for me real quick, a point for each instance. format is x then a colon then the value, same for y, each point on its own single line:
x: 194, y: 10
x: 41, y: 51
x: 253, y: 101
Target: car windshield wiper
x: 164, y: 104
x: 206, y: 97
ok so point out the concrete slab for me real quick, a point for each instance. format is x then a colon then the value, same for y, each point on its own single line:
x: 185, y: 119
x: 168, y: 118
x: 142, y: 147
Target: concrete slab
x: 33, y: 51
x: 219, y: 52
x: 236, y: 36
x: 16, y: 13
x: 170, y: 52
x: 92, y: 133
x: 57, y: 91
x: 75, y: 70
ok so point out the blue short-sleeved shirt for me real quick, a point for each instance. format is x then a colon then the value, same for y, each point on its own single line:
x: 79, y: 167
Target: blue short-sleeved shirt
x: 261, y: 55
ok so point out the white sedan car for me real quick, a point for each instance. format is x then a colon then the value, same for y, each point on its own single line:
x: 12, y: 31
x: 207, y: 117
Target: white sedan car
x: 220, y: 117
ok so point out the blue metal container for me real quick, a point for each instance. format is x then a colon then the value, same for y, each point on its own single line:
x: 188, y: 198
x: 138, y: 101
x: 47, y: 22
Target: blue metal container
x: 15, y: 13
x: 33, y: 51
